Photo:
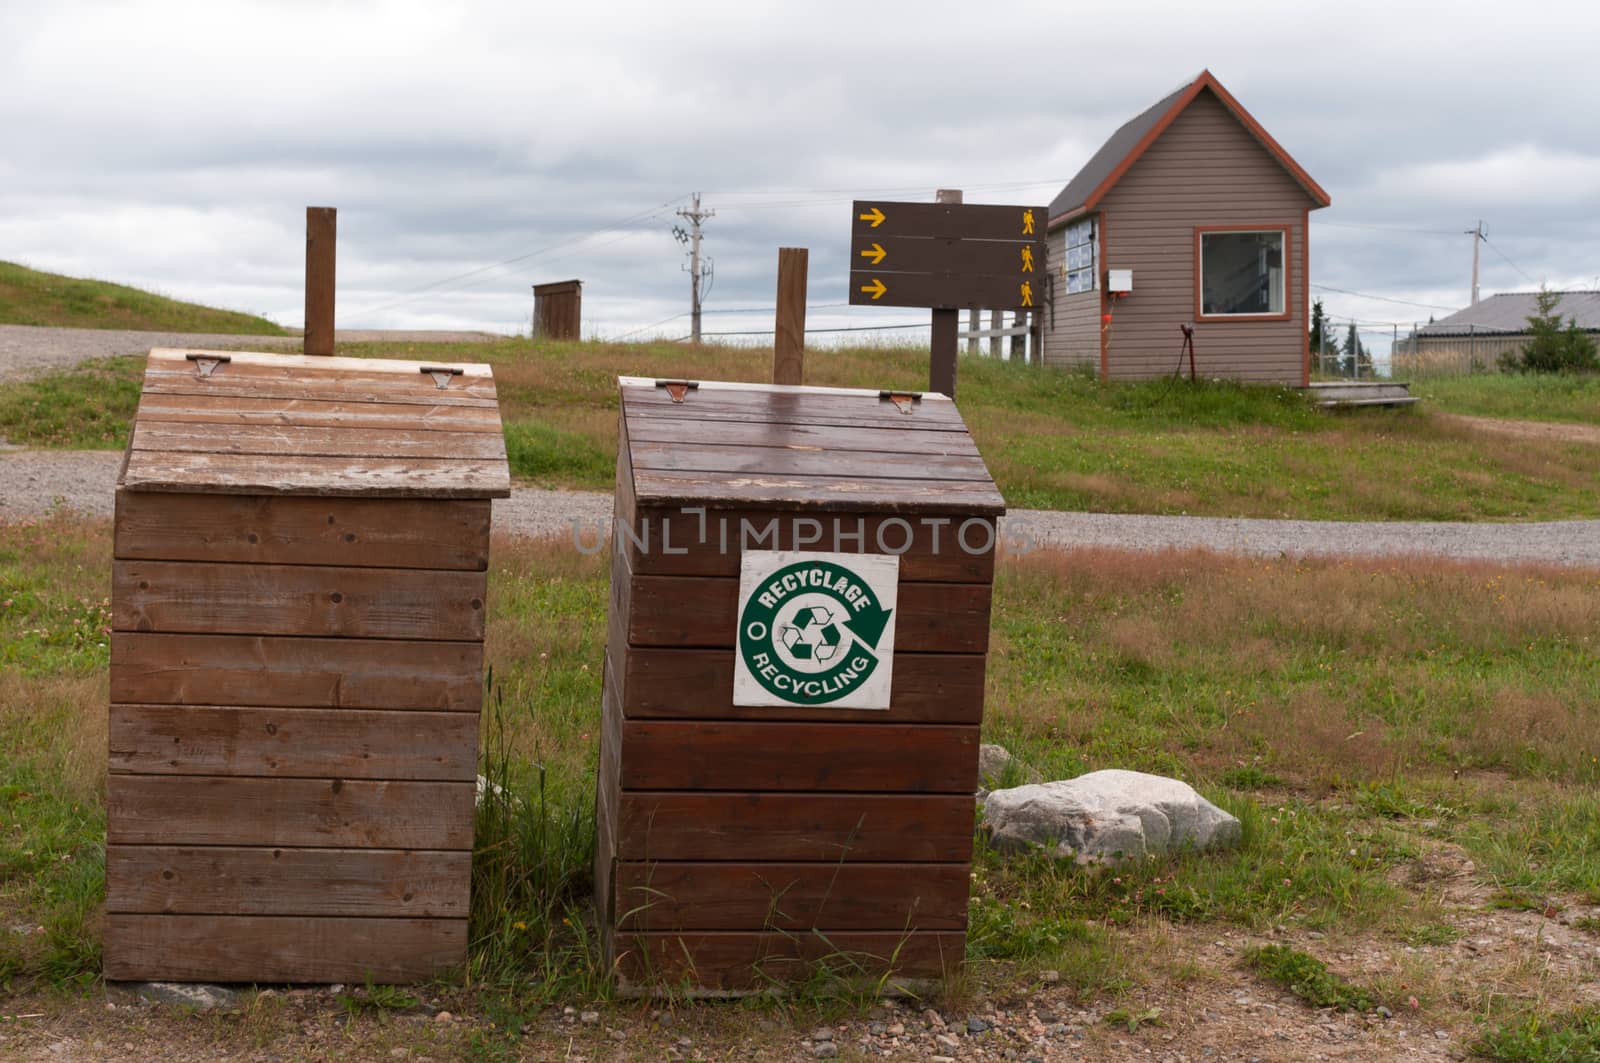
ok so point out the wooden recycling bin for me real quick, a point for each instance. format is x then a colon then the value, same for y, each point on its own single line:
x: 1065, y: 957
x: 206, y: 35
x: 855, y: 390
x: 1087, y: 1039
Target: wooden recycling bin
x: 297, y: 666
x: 758, y: 818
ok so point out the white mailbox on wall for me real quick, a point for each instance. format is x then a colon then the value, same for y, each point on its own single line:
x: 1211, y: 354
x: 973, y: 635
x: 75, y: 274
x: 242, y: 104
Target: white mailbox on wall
x: 1119, y: 281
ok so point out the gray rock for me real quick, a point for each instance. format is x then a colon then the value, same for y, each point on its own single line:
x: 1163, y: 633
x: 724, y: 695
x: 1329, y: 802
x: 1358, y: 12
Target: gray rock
x: 1107, y: 816
x: 186, y: 994
x: 992, y: 761
x: 825, y: 1050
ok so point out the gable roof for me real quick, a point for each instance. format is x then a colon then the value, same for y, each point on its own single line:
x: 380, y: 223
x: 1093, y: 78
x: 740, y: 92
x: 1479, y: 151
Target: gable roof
x: 1106, y: 167
x: 1508, y: 312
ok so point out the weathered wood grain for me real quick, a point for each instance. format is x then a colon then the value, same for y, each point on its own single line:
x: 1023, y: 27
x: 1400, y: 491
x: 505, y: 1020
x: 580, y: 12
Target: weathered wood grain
x: 877, y: 438
x: 698, y: 685
x: 258, y: 474
x: 230, y: 880
x: 693, y: 612
x: 299, y: 440
x: 267, y: 529
x: 323, y: 813
x: 749, y: 960
x: 795, y: 897
x: 233, y: 599
x: 266, y: 949
x: 317, y: 743
x: 809, y: 757
x: 248, y: 670
x: 248, y: 375
x: 705, y: 457
x: 673, y: 542
x: 821, y: 493
x: 785, y: 407
x: 316, y: 413
x: 829, y: 828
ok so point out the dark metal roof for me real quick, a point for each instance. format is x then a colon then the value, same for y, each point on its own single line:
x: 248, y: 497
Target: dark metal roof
x: 1113, y: 151
x: 1508, y: 312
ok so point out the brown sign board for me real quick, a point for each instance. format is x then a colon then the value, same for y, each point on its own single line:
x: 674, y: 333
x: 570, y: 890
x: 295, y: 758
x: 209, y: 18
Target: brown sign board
x: 946, y: 255
x: 955, y: 221
x: 944, y: 290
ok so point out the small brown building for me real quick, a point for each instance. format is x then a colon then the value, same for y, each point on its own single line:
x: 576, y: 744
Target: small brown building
x: 1190, y: 214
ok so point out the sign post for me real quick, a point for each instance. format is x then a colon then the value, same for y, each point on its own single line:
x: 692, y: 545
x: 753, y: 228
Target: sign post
x: 946, y: 256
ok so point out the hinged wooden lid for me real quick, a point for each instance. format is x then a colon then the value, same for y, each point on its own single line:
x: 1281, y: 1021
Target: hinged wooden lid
x: 769, y: 446
x: 247, y: 423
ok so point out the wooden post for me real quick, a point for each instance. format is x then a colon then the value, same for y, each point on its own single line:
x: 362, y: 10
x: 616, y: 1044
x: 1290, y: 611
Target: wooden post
x: 997, y: 321
x: 946, y: 323
x: 321, y: 241
x: 974, y: 325
x: 1035, y: 338
x: 789, y: 343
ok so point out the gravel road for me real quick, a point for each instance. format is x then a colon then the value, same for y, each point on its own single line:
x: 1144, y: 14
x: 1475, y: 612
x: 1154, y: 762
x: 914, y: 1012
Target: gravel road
x: 26, y: 349
x: 32, y: 481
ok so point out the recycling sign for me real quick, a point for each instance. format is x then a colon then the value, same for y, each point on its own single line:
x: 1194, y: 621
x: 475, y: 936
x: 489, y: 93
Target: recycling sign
x: 815, y: 629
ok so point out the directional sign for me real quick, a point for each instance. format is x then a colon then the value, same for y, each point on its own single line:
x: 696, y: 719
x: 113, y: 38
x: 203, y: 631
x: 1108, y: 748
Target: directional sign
x: 946, y: 255
x: 944, y: 290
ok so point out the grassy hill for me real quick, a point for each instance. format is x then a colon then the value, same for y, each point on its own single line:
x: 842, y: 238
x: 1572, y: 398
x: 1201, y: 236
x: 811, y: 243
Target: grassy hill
x: 30, y: 297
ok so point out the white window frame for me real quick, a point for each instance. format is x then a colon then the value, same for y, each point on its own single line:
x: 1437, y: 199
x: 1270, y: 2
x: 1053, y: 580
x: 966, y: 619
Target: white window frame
x: 1090, y: 227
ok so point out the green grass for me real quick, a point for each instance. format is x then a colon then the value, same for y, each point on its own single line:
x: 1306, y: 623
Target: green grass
x: 30, y: 297
x: 1515, y: 396
x: 1052, y: 440
x: 1308, y: 978
x: 1572, y: 1037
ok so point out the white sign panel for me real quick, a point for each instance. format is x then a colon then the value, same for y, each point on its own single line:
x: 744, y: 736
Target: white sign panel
x: 815, y: 629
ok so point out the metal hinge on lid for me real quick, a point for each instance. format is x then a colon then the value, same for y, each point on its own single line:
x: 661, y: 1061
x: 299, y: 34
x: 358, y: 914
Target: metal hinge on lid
x: 905, y: 400
x: 677, y: 389
x: 441, y: 374
x: 207, y: 363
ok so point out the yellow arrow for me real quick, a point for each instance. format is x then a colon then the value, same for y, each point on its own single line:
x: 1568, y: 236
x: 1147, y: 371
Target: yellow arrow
x: 875, y: 216
x: 877, y: 288
x: 875, y: 252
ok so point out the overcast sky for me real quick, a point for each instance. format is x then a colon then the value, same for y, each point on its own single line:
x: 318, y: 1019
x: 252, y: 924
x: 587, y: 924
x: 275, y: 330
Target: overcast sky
x: 175, y: 146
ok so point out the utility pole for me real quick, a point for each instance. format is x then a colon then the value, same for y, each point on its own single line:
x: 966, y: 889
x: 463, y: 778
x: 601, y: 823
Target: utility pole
x: 1477, y: 237
x: 697, y: 273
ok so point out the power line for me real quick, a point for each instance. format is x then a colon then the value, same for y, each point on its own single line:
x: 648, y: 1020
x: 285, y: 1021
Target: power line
x: 1383, y: 298
x: 1384, y: 228
x: 811, y: 331
x: 1510, y: 263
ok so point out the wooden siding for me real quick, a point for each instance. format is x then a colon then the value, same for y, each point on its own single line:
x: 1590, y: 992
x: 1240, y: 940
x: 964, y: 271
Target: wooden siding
x: 1205, y: 170
x: 1072, y: 323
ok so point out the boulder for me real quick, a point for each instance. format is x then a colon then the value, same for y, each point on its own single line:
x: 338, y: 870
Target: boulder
x: 1106, y: 816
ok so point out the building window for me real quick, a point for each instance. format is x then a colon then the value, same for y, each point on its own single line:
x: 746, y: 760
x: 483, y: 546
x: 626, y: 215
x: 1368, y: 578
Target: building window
x: 1241, y: 273
x: 1080, y: 256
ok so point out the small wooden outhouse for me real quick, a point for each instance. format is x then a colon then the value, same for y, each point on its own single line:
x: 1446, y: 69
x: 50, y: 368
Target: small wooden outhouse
x: 762, y: 807
x: 296, y: 667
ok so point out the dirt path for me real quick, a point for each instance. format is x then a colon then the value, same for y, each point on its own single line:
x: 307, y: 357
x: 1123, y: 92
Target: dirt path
x: 27, y: 349
x: 34, y: 481
x: 1549, y: 431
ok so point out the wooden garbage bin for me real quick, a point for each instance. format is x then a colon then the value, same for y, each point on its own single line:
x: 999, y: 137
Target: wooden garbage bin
x: 296, y: 667
x: 813, y: 803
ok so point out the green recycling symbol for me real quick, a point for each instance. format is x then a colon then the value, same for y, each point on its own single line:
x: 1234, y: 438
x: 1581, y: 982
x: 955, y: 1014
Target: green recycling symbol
x: 809, y: 633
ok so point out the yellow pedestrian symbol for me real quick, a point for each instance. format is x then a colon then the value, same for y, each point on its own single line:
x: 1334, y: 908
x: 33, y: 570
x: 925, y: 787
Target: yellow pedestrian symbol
x: 1027, y: 223
x: 1027, y: 294
x: 1027, y: 260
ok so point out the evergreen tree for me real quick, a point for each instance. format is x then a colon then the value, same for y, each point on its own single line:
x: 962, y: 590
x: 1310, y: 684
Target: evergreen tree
x: 1319, y: 330
x: 1551, y: 347
x: 1355, y: 355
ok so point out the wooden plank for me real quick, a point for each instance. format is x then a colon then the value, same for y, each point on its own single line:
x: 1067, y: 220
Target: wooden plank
x: 295, y: 672
x: 777, y: 406
x: 821, y: 493
x: 321, y: 257
x: 698, y: 685
x: 229, y: 880
x: 811, y: 757
x: 320, y: 813
x: 313, y: 600
x: 256, y: 474
x: 266, y: 948
x: 789, y: 342
x: 736, y: 961
x: 327, y: 379
x: 795, y: 897
x: 279, y: 530
x: 785, y: 461
x: 876, y: 438
x: 343, y: 743
x: 321, y: 442
x: 310, y: 413
x: 948, y: 219
x: 828, y: 828
x: 675, y: 542
x: 930, y: 617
